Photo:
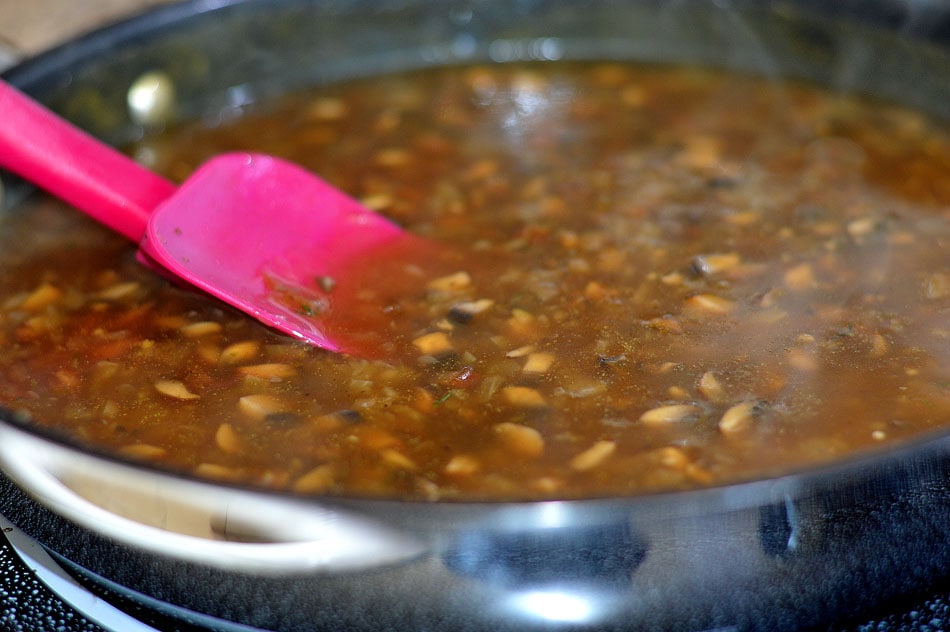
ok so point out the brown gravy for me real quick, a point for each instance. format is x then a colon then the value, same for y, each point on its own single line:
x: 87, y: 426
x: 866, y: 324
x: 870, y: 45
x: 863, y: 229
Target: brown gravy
x: 660, y: 279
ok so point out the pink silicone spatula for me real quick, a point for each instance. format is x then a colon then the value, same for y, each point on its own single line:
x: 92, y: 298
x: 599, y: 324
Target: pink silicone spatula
x: 257, y: 232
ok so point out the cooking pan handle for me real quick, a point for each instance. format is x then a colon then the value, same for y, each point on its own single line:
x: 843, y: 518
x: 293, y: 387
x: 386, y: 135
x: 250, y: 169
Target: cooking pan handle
x: 208, y: 524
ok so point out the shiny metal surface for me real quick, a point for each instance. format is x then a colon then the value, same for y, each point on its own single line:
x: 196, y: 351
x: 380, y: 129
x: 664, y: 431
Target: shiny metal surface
x: 779, y: 554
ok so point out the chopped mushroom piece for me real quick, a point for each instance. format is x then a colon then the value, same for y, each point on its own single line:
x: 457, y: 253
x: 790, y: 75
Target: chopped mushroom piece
x: 668, y: 414
x: 317, y: 480
x: 398, y: 460
x: 711, y: 304
x: 204, y: 328
x: 41, y: 297
x: 800, y: 277
x: 538, y: 362
x: 879, y: 346
x: 434, y: 344
x: 378, y: 201
x: 593, y: 456
x: 143, y: 451
x: 523, y: 324
x: 520, y: 439
x: 580, y: 387
x: 677, y: 392
x: 520, y: 352
x: 862, y: 226
x: 673, y: 457
x: 803, y: 360
x: 463, y: 313
x: 269, y: 371
x: 220, y: 472
x: 739, y: 417
x: 258, y: 407
x: 595, y: 291
x: 452, y: 283
x: 228, y: 440
x: 327, y: 109
x: 937, y: 285
x: 462, y: 465
x: 393, y: 157
x: 523, y: 396
x: 672, y: 278
x: 119, y: 290
x: 174, y: 389
x: 716, y: 263
x: 710, y: 386
x: 239, y: 352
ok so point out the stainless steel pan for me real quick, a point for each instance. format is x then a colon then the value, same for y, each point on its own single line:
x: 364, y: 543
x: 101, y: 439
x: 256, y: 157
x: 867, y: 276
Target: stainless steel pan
x: 791, y: 552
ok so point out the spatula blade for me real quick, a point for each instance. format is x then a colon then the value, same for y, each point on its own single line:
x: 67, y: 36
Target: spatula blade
x: 243, y: 225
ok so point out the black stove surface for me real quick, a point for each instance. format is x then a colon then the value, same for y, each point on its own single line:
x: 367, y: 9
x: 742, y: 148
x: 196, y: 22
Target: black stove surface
x: 27, y: 604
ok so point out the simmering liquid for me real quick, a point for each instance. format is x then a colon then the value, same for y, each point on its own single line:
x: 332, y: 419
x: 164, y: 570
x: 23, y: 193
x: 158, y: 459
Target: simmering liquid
x: 652, y: 279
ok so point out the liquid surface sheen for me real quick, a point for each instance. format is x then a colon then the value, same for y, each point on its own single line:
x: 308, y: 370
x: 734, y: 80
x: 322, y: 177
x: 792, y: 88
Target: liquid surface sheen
x: 654, y: 279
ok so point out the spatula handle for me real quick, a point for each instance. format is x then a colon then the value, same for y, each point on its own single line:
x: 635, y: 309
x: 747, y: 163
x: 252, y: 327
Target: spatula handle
x: 48, y: 151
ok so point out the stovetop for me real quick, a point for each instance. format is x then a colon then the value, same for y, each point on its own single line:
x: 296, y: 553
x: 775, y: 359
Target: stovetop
x: 37, y: 594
